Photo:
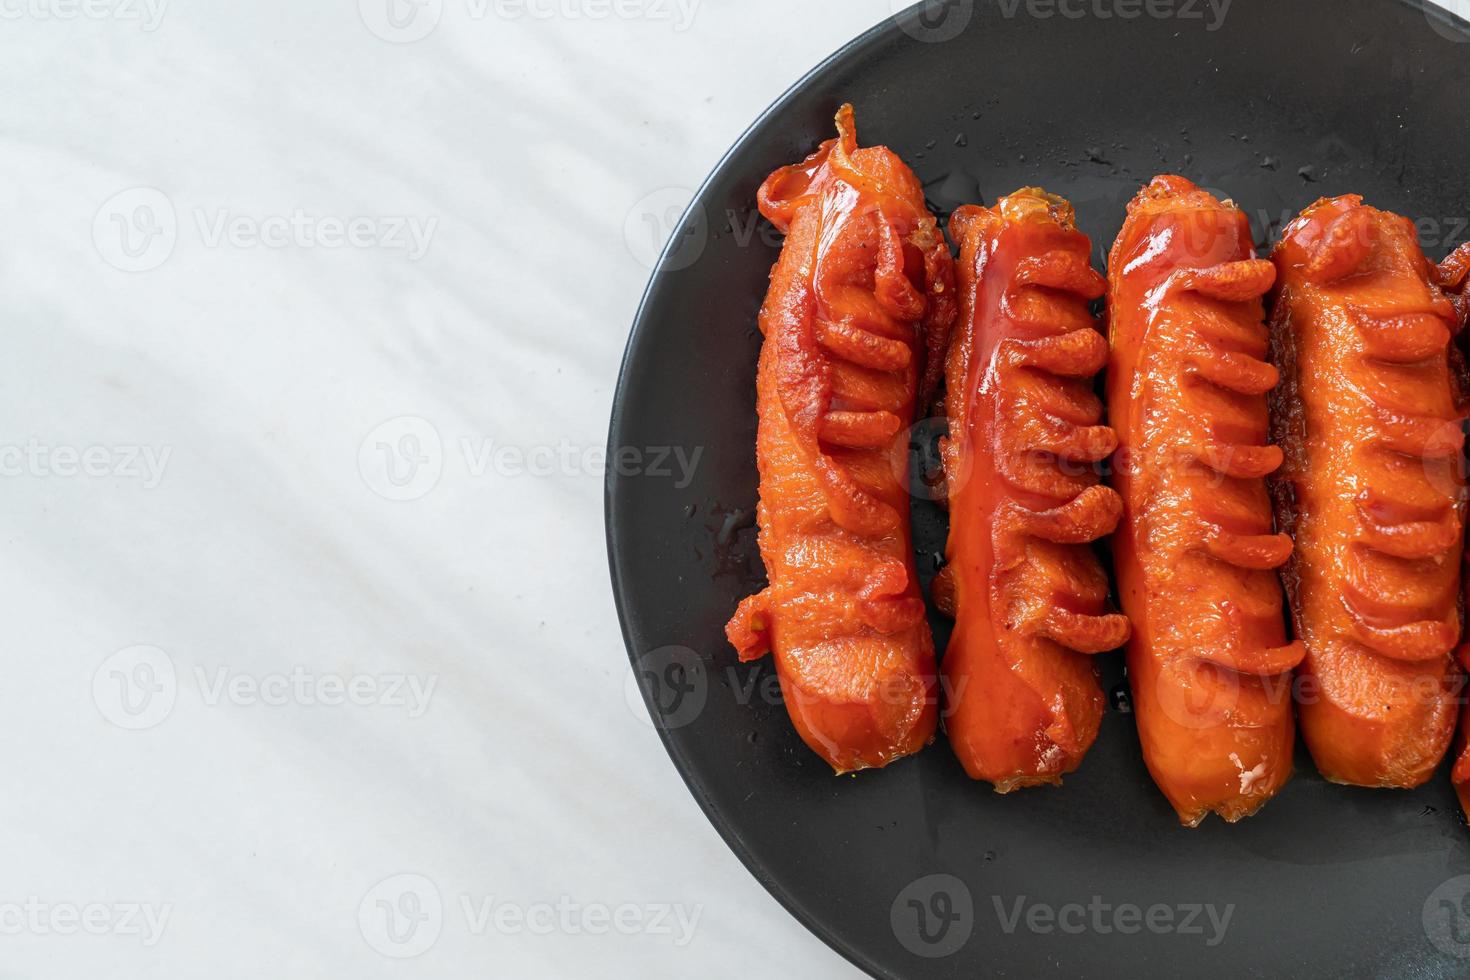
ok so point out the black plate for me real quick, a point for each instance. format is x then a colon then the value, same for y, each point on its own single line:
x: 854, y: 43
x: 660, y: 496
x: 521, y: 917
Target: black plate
x: 915, y: 871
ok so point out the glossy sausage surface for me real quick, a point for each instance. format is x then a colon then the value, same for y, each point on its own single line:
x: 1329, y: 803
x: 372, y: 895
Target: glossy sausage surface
x: 1369, y: 416
x: 1028, y: 593
x: 1453, y: 276
x: 859, y: 306
x: 1209, y: 663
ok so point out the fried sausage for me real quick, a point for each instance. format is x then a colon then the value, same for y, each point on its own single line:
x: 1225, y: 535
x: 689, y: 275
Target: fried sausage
x: 1369, y: 416
x: 1453, y: 276
x: 859, y: 307
x: 1029, y: 595
x: 1208, y: 662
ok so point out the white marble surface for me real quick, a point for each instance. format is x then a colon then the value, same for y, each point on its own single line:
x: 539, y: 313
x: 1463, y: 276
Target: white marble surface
x: 252, y: 354
x: 254, y: 677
